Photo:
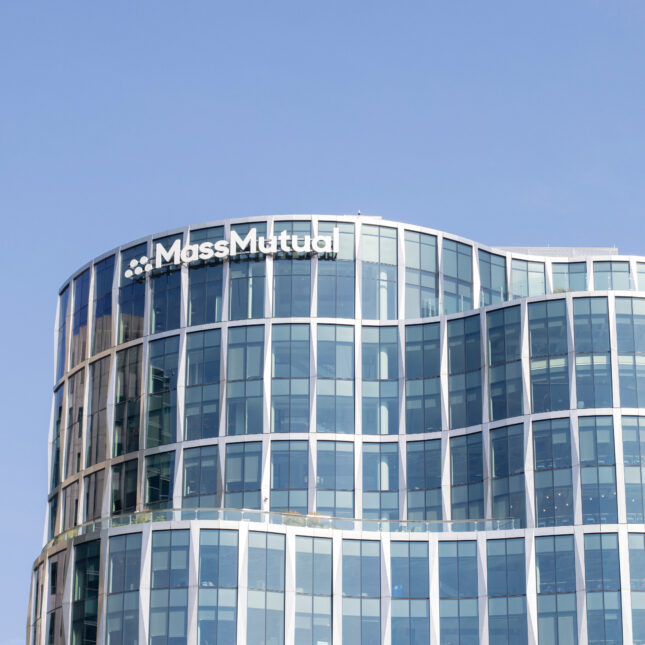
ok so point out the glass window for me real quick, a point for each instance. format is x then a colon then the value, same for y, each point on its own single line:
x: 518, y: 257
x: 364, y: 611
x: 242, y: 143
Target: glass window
x: 160, y: 471
x: 61, y: 347
x: 169, y: 568
x: 247, y: 278
x: 611, y: 275
x: 56, y: 444
x: 504, y: 362
x: 122, y: 614
x: 103, y: 279
x: 556, y: 587
x: 313, y: 591
x: 165, y: 286
x: 290, y: 378
x: 507, y: 472
x: 336, y: 275
x: 410, y: 593
x: 527, y: 278
x: 335, y: 478
x: 630, y: 324
x: 464, y: 372
x: 85, y: 593
x: 459, y: 616
x: 127, y: 402
x: 361, y: 592
x: 245, y: 368
x: 200, y: 477
x: 421, y: 275
x: 243, y: 475
x: 634, y: 461
x: 640, y: 271
x: 124, y: 487
x: 202, y: 384
x: 549, y: 361
x: 94, y: 487
x: 380, y: 380
x: 457, y: 266
x: 205, y: 279
x: 492, y: 275
x: 217, y: 612
x: 132, y: 295
x: 424, y: 480
x: 74, y: 440
x: 553, y: 482
x: 292, y: 274
x: 57, y: 576
x: 289, y: 476
x: 422, y: 382
x: 467, y: 477
x: 335, y: 387
x: 602, y: 582
x: 381, y: 481
x: 162, y: 391
x: 265, y: 600
x: 637, y: 580
x: 569, y: 276
x: 79, y: 318
x: 97, y: 418
x: 379, y: 256
x: 70, y: 506
x: 52, y: 510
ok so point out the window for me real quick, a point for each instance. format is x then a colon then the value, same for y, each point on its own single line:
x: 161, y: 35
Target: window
x: 313, y: 591
x: 380, y: 380
x: 379, y: 255
x: 122, y: 615
x: 52, y: 510
x: 464, y: 372
x: 57, y: 575
x: 640, y: 271
x: 70, y: 506
x: 74, y: 439
x: 162, y: 392
x: 424, y: 480
x: 459, y: 622
x: 127, y: 402
x: 507, y: 471
x: 132, y: 295
x: 124, y: 487
x: 103, y: 278
x: 79, y: 318
x: 630, y: 324
x: 527, y: 278
x: 593, y: 362
x: 602, y: 582
x: 217, y: 613
x: 336, y: 275
x: 165, y: 287
x: 335, y: 388
x: 200, y: 477
x: 556, y: 588
x: 290, y: 378
x: 457, y: 277
x: 61, y: 347
x: 243, y: 475
x: 422, y: 382
x: 265, y: 600
x: 335, y: 478
x: 421, y: 275
x: 58, y: 419
x: 505, y: 364
x: 597, y: 470
x: 97, y: 418
x: 202, y: 384
x: 247, y: 279
x: 169, y: 587
x: 637, y: 584
x: 569, y: 276
x: 245, y: 368
x: 205, y: 279
x: 553, y: 482
x: 492, y: 275
x: 506, y: 592
x: 93, y: 485
x: 160, y: 471
x: 549, y: 362
x: 85, y: 593
x: 611, y: 275
x: 361, y: 592
x: 381, y: 481
x: 410, y: 593
x: 289, y: 476
x: 634, y: 460
x: 292, y: 275
x: 467, y: 477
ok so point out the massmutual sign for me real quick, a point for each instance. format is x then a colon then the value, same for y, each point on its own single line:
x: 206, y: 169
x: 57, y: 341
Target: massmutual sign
x: 226, y: 249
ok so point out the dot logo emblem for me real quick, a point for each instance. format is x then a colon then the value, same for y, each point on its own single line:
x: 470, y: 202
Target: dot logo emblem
x: 137, y: 267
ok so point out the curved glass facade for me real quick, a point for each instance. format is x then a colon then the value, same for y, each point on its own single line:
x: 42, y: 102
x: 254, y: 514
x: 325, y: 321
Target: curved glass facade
x: 406, y: 438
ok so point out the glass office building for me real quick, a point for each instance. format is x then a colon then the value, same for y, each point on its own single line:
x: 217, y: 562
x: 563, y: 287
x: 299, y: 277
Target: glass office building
x: 407, y: 438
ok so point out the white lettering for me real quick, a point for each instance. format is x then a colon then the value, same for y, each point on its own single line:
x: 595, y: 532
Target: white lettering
x: 270, y: 248
x: 189, y: 253
x: 250, y: 240
x: 206, y: 251
x: 171, y: 255
x: 221, y: 249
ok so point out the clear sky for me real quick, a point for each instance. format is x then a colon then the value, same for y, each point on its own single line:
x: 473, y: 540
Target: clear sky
x: 511, y: 123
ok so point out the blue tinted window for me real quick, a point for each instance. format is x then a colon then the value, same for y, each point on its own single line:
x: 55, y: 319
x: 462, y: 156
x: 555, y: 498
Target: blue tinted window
x: 464, y: 372
x: 379, y: 288
x: 421, y: 275
x: 467, y: 477
x: 335, y: 478
x: 165, y: 286
x: 507, y: 471
x: 132, y: 294
x: 381, y: 481
x: 103, y: 279
x: 205, y: 281
x: 247, y: 278
x: 492, y: 276
x: 457, y: 268
x: 162, y: 391
x: 292, y: 275
x: 424, y: 480
x: 289, y: 476
x: 336, y: 275
x: 243, y: 475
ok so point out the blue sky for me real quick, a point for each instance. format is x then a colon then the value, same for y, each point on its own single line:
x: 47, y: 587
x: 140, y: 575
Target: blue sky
x: 510, y: 123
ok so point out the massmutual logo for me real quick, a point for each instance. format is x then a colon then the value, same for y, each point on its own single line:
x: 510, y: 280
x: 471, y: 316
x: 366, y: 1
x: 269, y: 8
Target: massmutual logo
x: 226, y: 249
